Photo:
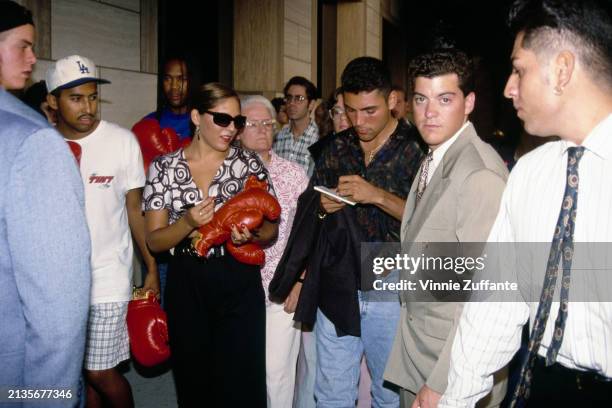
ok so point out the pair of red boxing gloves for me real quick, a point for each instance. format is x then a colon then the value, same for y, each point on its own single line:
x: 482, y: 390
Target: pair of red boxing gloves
x: 248, y: 209
x: 147, y: 322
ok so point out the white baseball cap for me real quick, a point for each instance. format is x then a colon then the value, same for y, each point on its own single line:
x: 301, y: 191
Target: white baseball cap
x: 72, y: 71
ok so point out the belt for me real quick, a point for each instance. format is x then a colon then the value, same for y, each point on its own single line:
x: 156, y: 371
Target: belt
x: 216, y: 252
x: 583, y: 379
x: 185, y: 248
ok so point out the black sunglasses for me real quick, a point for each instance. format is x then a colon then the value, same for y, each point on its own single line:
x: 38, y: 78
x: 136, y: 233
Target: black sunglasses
x: 224, y: 119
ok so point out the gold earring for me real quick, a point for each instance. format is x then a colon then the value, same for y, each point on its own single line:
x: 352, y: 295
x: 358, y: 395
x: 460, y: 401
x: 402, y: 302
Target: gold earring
x: 197, y: 132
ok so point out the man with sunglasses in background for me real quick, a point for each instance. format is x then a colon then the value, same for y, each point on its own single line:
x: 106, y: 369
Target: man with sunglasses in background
x: 293, y: 141
x: 112, y: 172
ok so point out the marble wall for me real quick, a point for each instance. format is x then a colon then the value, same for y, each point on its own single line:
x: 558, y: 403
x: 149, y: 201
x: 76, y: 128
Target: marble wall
x: 274, y: 40
x: 373, y: 29
x: 300, y: 29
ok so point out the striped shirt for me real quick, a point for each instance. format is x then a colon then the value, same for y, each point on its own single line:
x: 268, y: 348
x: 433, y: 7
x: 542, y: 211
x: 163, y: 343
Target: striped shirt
x: 489, y: 333
x: 287, y: 146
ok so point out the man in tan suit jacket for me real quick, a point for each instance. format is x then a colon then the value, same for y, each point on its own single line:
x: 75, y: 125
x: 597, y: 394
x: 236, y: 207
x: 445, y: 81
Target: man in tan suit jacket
x: 454, y: 198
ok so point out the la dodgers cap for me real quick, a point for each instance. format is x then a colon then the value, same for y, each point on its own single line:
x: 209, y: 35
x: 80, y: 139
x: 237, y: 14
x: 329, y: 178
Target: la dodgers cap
x: 72, y: 71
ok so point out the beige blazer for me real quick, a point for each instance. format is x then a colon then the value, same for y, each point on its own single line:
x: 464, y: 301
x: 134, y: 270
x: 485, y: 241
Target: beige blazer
x: 459, y: 204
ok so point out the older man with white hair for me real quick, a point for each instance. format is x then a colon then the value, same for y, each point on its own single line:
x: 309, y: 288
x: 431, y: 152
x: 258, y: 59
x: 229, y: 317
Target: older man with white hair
x: 289, y: 179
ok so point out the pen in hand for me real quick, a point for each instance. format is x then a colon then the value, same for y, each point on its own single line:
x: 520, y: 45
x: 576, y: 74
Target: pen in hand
x: 191, y: 205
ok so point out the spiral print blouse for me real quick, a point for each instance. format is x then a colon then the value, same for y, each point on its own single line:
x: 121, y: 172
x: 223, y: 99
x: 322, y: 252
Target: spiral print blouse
x: 170, y: 185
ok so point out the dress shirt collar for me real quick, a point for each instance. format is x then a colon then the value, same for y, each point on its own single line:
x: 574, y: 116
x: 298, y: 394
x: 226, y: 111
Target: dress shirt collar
x: 598, y: 141
x: 438, y: 154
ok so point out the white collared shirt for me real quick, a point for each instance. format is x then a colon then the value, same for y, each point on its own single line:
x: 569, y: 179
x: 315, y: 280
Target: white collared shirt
x: 439, y: 153
x: 489, y: 333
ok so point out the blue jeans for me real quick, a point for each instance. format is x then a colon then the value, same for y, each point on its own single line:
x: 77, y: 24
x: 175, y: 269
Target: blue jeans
x: 306, y: 370
x: 338, y: 358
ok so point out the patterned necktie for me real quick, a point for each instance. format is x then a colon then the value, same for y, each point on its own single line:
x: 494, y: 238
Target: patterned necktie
x: 562, y: 249
x: 423, y: 178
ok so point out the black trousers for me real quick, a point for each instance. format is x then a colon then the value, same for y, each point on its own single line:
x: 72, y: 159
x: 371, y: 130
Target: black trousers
x: 558, y: 386
x: 217, y: 327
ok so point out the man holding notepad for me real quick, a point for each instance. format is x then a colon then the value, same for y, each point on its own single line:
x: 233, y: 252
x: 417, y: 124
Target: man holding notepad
x: 371, y: 164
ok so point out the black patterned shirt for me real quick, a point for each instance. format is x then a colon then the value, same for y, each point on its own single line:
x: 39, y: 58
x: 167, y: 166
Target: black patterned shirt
x: 392, y: 169
x: 170, y: 185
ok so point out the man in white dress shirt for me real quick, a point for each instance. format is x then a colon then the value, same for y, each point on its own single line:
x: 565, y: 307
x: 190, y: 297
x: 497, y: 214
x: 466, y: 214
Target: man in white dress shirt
x: 561, y: 84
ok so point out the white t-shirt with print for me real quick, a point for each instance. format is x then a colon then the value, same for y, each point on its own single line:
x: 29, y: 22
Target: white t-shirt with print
x: 111, y: 165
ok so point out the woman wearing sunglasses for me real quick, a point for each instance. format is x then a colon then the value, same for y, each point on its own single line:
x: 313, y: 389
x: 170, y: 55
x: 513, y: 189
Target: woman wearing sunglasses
x: 282, y: 337
x: 215, y: 304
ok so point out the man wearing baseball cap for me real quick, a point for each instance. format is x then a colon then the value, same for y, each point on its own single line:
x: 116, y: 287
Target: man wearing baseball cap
x: 112, y: 172
x: 45, y: 273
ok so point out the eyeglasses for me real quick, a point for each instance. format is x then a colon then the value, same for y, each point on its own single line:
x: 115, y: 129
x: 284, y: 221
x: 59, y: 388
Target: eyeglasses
x: 294, y: 98
x: 266, y: 124
x: 337, y: 112
x: 224, y: 119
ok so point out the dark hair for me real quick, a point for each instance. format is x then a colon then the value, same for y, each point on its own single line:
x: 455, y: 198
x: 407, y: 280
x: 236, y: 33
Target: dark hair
x: 311, y: 90
x: 209, y: 95
x: 333, y: 98
x: 366, y: 74
x: 584, y: 24
x: 398, y: 88
x: 277, y: 103
x: 441, y: 62
x: 35, y: 95
x: 191, y: 84
x: 322, y: 119
x: 13, y: 15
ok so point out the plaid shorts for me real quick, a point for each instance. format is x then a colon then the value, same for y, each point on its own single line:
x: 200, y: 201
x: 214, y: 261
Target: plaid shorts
x: 107, y: 336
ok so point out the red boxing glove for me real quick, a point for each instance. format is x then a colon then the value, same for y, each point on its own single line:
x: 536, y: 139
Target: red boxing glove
x: 171, y: 139
x: 76, y: 150
x: 239, y: 210
x: 250, y: 218
x: 219, y: 230
x: 154, y: 141
x: 148, y: 331
x: 185, y: 142
x: 249, y: 253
